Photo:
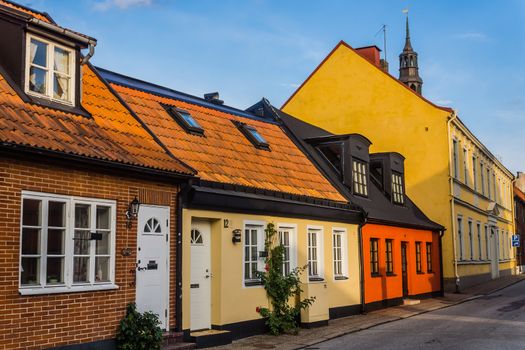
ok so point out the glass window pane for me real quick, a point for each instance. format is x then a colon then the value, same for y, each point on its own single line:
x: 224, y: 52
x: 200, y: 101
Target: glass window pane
x: 31, y: 212
x: 190, y: 120
x: 38, y: 53
x: 82, y: 215
x: 102, y: 269
x: 38, y: 80
x: 61, y: 87
x: 56, y: 214
x: 103, y: 215
x: 102, y: 246
x: 30, y: 241
x: 247, y: 271
x: 55, y: 242
x: 254, y: 253
x: 61, y: 63
x: 254, y: 237
x: 246, y: 253
x: 55, y: 271
x: 80, y: 270
x: 82, y: 242
x: 30, y: 271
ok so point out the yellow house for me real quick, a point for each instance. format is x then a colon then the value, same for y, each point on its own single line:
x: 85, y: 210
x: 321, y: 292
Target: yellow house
x: 251, y: 174
x: 451, y: 175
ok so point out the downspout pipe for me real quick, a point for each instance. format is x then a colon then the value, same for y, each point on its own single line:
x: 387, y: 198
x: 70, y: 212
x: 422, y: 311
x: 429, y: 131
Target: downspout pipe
x: 515, y: 229
x: 181, y: 199
x: 452, y: 117
x: 442, y: 290
x: 361, y: 262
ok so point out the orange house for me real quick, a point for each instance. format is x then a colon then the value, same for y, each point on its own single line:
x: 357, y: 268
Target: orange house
x: 400, y: 245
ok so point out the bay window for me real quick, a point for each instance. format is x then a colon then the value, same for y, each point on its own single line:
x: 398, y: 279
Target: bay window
x: 67, y: 244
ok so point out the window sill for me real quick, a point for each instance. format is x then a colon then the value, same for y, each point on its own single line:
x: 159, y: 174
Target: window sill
x: 63, y: 289
x: 376, y: 275
x: 340, y: 278
x: 253, y: 283
x: 315, y: 279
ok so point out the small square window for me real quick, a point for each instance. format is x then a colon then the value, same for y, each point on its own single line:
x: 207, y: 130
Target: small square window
x: 185, y: 120
x: 252, y: 135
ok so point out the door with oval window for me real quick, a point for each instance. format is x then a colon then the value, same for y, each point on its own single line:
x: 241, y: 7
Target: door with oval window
x: 200, y: 275
x: 152, y: 261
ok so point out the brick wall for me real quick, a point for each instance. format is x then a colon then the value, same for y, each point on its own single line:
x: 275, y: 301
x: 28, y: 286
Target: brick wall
x: 44, y: 321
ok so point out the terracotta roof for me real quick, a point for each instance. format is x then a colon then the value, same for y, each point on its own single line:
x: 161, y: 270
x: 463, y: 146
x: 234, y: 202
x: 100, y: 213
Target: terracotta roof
x: 224, y: 154
x: 110, y: 134
x: 39, y: 15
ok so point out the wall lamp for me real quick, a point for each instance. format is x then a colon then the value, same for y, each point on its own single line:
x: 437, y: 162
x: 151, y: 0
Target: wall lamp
x: 133, y: 211
x: 236, y: 236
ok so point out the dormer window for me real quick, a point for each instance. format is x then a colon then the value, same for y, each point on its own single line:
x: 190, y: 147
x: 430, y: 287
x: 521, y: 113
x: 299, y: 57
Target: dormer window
x: 185, y: 120
x: 398, y: 195
x: 50, y: 70
x: 252, y: 135
x: 333, y: 153
x: 360, y: 183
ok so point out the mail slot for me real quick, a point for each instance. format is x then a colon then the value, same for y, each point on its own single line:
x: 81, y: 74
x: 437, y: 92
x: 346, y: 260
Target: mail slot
x: 152, y: 265
x: 196, y: 285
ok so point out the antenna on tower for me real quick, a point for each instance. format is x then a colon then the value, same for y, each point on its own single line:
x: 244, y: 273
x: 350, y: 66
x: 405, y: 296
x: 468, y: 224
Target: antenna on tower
x: 384, y: 61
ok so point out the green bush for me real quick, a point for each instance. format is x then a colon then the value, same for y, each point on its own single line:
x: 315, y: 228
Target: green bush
x: 138, y: 331
x: 281, y: 289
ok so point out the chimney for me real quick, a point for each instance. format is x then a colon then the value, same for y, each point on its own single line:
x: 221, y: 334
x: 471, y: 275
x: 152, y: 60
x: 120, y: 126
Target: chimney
x: 384, y: 65
x: 371, y: 53
x: 213, y: 97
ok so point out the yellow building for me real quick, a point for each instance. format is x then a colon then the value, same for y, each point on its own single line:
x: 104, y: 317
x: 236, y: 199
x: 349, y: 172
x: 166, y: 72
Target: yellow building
x: 451, y: 175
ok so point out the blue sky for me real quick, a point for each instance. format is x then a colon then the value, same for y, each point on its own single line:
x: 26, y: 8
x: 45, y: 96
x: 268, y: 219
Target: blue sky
x: 471, y: 53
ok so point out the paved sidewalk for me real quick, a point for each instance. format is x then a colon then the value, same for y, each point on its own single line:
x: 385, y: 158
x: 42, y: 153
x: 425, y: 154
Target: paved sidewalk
x: 342, y: 326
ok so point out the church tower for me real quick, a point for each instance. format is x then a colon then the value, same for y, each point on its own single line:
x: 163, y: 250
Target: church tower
x: 408, y: 67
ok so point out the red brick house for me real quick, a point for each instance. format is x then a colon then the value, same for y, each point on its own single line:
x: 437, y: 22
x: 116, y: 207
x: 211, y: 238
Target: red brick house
x: 72, y: 160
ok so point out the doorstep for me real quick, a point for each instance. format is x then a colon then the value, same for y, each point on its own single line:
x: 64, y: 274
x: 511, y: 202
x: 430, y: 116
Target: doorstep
x: 210, y: 337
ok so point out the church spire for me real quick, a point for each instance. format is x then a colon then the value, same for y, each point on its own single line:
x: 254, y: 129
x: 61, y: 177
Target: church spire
x: 408, y: 65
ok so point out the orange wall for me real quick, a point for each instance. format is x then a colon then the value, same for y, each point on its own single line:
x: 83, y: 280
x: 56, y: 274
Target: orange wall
x: 389, y: 287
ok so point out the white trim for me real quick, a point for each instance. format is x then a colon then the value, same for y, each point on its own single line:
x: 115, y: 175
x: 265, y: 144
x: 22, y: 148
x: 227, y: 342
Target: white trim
x: 50, y: 54
x: 68, y: 255
x: 260, y: 247
x: 344, y: 253
x: 320, y: 252
x: 293, y: 242
x: 72, y: 289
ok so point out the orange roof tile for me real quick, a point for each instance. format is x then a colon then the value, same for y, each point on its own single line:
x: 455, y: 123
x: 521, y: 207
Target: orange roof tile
x: 111, y: 133
x: 38, y: 15
x: 224, y: 154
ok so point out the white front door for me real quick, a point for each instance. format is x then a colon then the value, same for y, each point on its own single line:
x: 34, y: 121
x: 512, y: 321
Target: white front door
x: 152, y: 261
x: 494, y: 250
x: 200, y: 275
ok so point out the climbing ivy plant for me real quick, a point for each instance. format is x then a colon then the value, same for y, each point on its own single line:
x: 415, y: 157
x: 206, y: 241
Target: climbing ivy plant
x: 283, y: 291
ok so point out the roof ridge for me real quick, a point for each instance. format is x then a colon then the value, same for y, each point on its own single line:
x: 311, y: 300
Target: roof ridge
x: 343, y: 43
x: 184, y: 97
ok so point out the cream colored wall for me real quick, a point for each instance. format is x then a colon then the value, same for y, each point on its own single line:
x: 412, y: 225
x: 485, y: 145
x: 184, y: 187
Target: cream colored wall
x: 233, y: 302
x: 477, y: 199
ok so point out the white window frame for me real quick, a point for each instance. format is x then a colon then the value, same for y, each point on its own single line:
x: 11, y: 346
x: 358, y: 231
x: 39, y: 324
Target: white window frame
x: 398, y: 193
x: 50, y: 57
x: 292, y: 229
x: 68, y: 285
x: 460, y: 234
x: 344, y: 253
x: 360, y: 177
x: 260, y: 227
x: 319, y: 253
x: 471, y: 238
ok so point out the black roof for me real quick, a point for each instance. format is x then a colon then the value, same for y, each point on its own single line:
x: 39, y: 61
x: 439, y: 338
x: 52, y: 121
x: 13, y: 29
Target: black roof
x: 378, y: 206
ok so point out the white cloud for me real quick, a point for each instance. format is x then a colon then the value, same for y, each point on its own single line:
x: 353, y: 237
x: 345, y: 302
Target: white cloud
x: 290, y: 85
x: 121, y: 4
x: 475, y: 36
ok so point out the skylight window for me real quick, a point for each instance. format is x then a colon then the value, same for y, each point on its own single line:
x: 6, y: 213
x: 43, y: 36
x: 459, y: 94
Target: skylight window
x: 253, y: 135
x: 185, y: 120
